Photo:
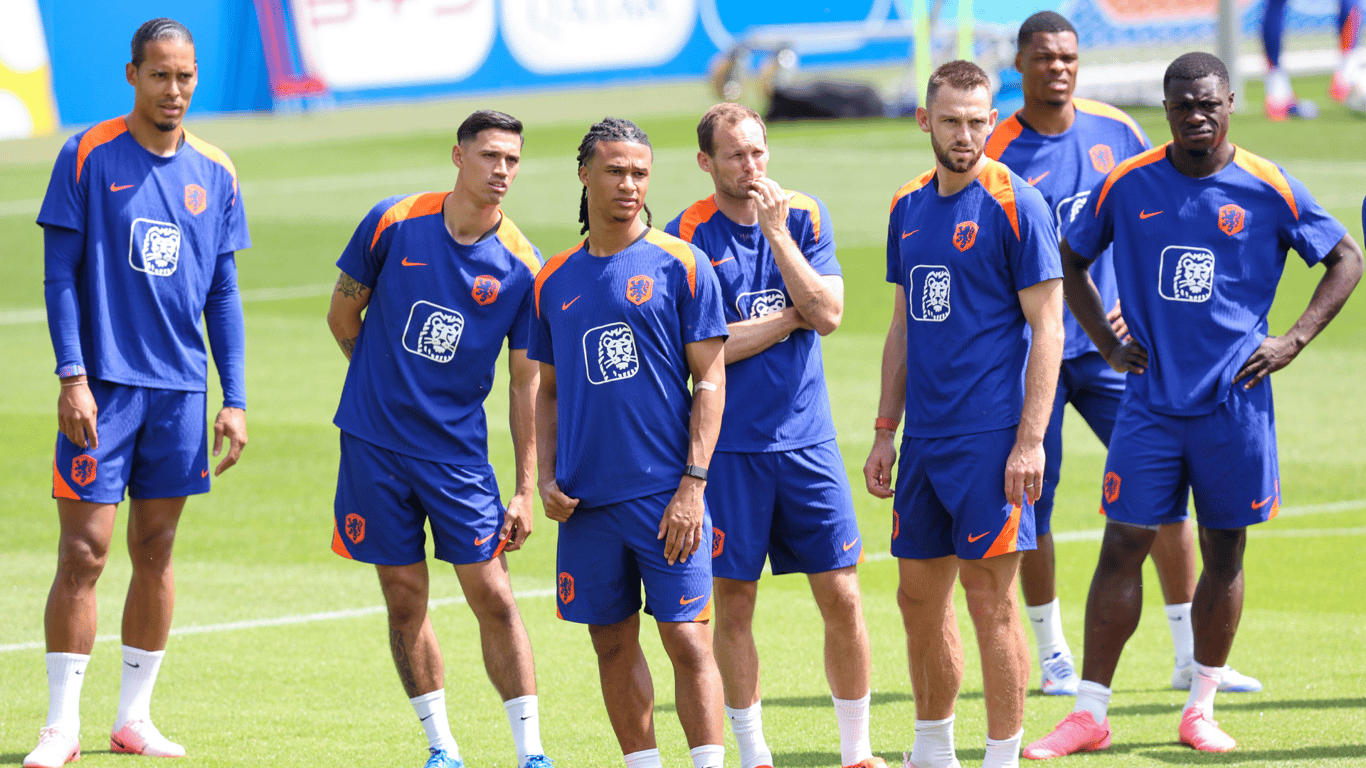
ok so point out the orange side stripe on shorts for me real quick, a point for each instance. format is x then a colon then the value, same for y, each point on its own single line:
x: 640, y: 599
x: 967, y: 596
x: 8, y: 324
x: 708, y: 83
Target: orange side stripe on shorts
x: 705, y: 613
x: 1008, y: 539
x: 499, y: 549
x: 60, y: 488
x: 338, y: 545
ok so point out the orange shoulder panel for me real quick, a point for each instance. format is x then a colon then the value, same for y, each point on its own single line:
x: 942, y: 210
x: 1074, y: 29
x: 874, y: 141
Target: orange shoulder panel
x: 1266, y: 171
x: 213, y: 153
x: 679, y: 250
x: 515, y: 241
x: 912, y: 185
x: 996, y: 179
x: 1006, y: 131
x: 101, y: 133
x: 806, y: 203
x: 410, y: 207
x: 699, y: 212
x: 1137, y: 161
x: 1102, y: 109
x: 550, y: 266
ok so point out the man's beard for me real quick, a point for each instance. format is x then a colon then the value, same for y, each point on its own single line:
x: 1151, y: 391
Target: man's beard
x: 949, y: 161
x: 166, y: 127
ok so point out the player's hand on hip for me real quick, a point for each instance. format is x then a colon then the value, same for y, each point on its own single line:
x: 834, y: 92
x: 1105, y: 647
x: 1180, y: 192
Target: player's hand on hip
x: 681, y: 526
x: 558, y: 505
x: 231, y: 424
x: 517, y: 522
x: 771, y: 201
x: 877, y: 470
x: 1274, y: 353
x: 76, y: 412
x: 1117, y: 323
x: 1024, y: 473
x: 1128, y: 357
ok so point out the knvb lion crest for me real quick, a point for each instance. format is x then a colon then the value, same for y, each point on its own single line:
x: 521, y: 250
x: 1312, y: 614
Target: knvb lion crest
x: 639, y: 289
x: 1187, y: 273
x: 965, y: 235
x: 758, y: 304
x: 1111, y: 487
x: 83, y: 469
x: 564, y: 588
x: 718, y: 541
x: 928, y: 295
x: 355, y: 528
x: 609, y: 353
x: 154, y: 247
x: 1102, y: 159
x: 1231, y: 218
x: 433, y: 331
x: 485, y: 290
x: 196, y: 199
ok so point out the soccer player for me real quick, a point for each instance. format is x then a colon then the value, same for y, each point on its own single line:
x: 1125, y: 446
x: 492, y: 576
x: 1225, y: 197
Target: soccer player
x: 443, y: 278
x: 1280, y: 100
x: 972, y: 249
x: 778, y: 488
x: 1200, y: 230
x: 140, y: 223
x: 1064, y: 146
x: 622, y: 321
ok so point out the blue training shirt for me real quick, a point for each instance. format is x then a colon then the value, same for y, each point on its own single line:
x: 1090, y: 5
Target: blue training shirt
x: 425, y: 358
x: 962, y: 260
x: 154, y: 230
x: 1065, y: 167
x: 775, y: 400
x: 615, y: 329
x: 1198, y: 261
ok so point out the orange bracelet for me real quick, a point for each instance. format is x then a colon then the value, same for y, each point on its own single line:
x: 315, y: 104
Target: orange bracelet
x: 881, y: 423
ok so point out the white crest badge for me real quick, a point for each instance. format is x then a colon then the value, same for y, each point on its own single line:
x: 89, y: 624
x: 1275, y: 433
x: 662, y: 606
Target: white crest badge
x: 1187, y: 273
x: 154, y: 247
x: 609, y: 353
x: 929, y: 293
x: 433, y: 331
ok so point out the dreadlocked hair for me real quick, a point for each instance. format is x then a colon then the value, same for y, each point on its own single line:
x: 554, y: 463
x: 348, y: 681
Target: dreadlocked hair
x: 610, y: 129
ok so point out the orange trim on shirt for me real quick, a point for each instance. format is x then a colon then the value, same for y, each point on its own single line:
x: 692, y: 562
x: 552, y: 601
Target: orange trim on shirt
x: 515, y: 241
x: 550, y: 266
x: 697, y: 214
x: 995, y: 178
x: 1266, y: 171
x: 1102, y: 109
x: 1137, y: 161
x: 61, y: 489
x: 1007, y: 540
x: 213, y: 153
x: 911, y: 186
x: 1006, y: 131
x: 101, y: 133
x: 807, y: 203
x: 410, y: 207
x: 679, y: 250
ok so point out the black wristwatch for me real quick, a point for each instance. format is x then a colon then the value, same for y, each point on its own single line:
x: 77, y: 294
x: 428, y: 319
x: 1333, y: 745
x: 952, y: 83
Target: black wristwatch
x: 692, y: 470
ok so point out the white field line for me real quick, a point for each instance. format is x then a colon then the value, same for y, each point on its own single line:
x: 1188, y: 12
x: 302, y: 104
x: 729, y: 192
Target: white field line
x: 1070, y: 536
x: 30, y: 316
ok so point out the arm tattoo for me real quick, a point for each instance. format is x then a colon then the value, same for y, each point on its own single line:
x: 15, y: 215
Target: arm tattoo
x: 349, y: 287
x: 403, y: 662
x: 348, y: 346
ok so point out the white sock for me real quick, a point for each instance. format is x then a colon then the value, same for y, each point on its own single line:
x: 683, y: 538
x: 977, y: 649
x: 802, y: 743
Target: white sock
x: 708, y: 756
x: 524, y: 717
x: 140, y: 670
x: 1204, y: 684
x: 1183, y: 637
x: 646, y: 758
x: 852, y: 716
x: 1093, y: 698
x: 65, y: 674
x: 748, y: 726
x: 431, y: 712
x: 933, y: 747
x: 1046, y: 620
x: 1004, y: 753
x: 1278, y: 85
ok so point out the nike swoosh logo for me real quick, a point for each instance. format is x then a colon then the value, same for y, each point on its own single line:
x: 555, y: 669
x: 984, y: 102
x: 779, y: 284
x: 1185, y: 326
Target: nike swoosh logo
x: 478, y: 542
x: 1038, y: 178
x: 134, y: 666
x: 972, y: 538
x: 1263, y: 502
x: 203, y: 473
x: 722, y: 261
x: 425, y: 719
x: 407, y: 263
x: 526, y: 717
x: 113, y: 188
x: 905, y: 235
x: 686, y: 601
x: 1146, y: 215
x: 848, y: 545
x: 565, y: 305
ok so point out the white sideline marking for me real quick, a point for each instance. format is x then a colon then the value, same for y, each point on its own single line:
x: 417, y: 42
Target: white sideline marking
x: 29, y: 316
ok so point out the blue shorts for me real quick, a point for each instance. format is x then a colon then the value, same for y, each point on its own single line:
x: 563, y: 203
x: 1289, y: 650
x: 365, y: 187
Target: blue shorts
x: 1094, y: 389
x: 794, y: 507
x: 384, y: 497
x: 1227, y: 459
x: 951, y: 499
x: 154, y: 443
x: 606, y: 553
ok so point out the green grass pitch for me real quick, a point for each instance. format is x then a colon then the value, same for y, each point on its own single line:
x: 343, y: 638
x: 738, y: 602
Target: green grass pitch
x: 280, y: 656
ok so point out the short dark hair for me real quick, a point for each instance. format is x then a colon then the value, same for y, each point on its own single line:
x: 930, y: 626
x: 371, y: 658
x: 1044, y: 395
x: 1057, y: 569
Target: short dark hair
x: 1043, y: 21
x: 1193, y: 66
x: 609, y: 129
x: 485, y: 119
x: 157, y: 29
x: 726, y: 113
x: 960, y: 74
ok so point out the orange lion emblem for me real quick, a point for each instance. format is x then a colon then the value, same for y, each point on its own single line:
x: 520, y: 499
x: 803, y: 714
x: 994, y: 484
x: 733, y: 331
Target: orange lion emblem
x: 83, y: 469
x: 718, y: 541
x: 196, y: 199
x: 355, y: 528
x: 1102, y: 159
x: 565, y: 588
x: 1111, y: 487
x: 485, y: 289
x: 639, y: 289
x: 965, y: 235
x: 1231, y: 218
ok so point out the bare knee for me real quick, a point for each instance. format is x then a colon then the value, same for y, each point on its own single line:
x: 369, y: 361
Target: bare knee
x: 150, y: 551
x: 838, y: 597
x: 405, y: 593
x: 80, y: 560
x: 615, y: 642
x: 688, y: 645
x: 735, y: 603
